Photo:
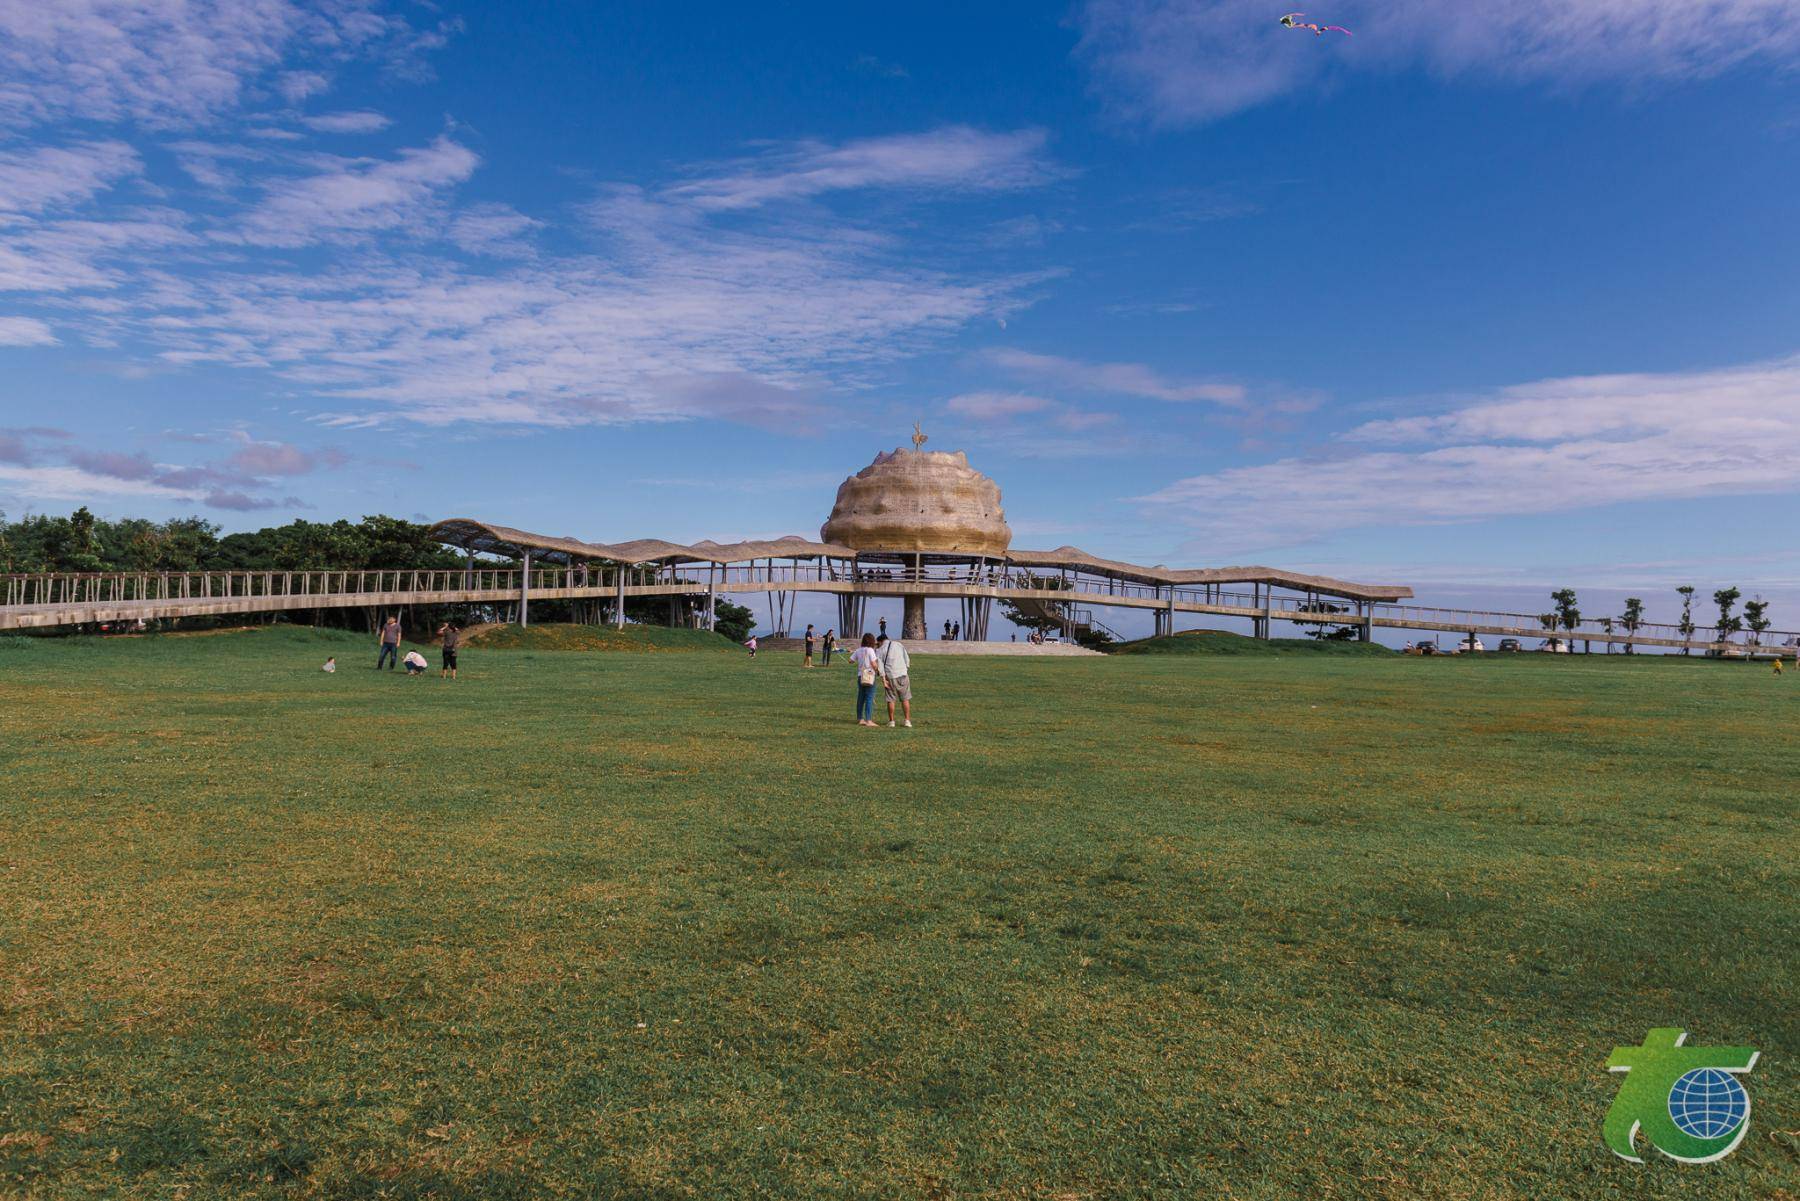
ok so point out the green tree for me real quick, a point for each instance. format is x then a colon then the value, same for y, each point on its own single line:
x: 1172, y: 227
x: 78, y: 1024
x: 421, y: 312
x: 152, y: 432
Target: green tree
x: 1686, y: 625
x: 1633, y: 618
x: 732, y: 621
x: 1729, y: 622
x: 1327, y: 631
x: 1568, y: 613
x: 1756, y: 617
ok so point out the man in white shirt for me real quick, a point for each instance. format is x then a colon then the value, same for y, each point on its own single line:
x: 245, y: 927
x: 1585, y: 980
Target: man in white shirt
x: 894, y: 664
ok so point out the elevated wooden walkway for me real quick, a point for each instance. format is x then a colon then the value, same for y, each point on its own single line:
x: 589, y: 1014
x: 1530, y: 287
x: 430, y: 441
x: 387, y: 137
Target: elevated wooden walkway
x: 48, y: 601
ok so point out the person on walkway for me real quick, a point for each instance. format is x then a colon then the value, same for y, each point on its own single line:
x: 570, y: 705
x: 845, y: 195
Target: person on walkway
x: 452, y: 640
x: 946, y: 637
x: 956, y: 632
x: 868, y: 671
x: 884, y: 627
x: 390, y: 644
x: 806, y: 658
x: 751, y: 643
x: 415, y: 663
x: 830, y: 637
x: 894, y: 662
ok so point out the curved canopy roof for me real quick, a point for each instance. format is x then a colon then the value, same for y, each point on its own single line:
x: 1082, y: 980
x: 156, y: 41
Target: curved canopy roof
x: 486, y: 538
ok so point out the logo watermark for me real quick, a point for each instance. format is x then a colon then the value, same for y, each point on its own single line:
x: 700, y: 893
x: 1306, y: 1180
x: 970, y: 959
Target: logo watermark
x: 1687, y: 1101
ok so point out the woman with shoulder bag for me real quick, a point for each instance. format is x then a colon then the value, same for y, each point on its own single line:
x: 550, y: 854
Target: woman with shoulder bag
x: 868, y: 671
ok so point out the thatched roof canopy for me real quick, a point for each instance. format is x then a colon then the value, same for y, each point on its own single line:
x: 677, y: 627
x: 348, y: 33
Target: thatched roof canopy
x: 486, y: 538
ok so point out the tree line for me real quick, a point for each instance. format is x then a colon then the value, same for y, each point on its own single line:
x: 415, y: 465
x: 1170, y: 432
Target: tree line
x: 82, y: 542
x: 1755, y: 618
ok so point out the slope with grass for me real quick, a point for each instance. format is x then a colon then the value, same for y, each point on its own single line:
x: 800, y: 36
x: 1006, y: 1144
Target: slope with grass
x: 673, y: 926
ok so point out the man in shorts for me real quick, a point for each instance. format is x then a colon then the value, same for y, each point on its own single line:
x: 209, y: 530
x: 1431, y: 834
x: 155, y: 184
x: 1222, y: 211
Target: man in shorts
x: 452, y: 639
x: 894, y: 665
x: 807, y: 660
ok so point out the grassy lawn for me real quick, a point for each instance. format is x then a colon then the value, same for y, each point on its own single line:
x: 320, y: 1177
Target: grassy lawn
x: 670, y: 925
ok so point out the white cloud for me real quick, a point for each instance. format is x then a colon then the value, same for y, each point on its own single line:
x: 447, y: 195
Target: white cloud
x: 1176, y: 62
x: 361, y: 121
x: 992, y: 406
x: 166, y: 63
x: 25, y: 331
x: 352, y: 197
x: 496, y: 229
x: 53, y: 176
x: 953, y: 159
x: 673, y: 310
x: 73, y: 483
x: 1539, y: 448
x: 1118, y: 379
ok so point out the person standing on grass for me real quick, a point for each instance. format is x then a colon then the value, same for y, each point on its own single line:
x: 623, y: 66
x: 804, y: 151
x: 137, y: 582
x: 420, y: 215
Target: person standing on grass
x: 390, y: 644
x: 830, y: 637
x: 452, y: 639
x: 806, y: 658
x: 894, y: 666
x: 868, y: 670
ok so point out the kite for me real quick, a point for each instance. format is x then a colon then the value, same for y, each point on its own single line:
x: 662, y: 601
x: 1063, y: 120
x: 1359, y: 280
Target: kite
x: 1293, y: 21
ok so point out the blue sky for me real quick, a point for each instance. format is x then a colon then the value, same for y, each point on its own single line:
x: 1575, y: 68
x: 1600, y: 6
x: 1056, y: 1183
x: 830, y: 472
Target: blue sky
x: 1487, y: 299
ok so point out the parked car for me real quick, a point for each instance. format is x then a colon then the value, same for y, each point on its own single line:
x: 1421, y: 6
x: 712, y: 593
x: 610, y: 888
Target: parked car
x: 1555, y: 646
x: 1427, y: 648
x: 1510, y: 646
x: 1471, y: 645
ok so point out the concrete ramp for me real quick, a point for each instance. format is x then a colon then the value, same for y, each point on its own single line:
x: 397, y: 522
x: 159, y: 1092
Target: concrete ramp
x: 1053, y: 650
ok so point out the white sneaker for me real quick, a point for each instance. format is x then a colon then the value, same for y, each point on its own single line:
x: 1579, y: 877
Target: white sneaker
x: 891, y: 724
x: 908, y: 723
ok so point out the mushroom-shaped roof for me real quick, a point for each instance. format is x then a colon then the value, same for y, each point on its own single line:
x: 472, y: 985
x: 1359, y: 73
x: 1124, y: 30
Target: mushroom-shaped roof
x: 919, y: 501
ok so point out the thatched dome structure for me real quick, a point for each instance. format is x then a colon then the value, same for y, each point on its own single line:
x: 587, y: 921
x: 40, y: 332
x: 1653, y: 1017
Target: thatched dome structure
x: 919, y: 501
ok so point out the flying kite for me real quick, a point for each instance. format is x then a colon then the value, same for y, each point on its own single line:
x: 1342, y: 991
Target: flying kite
x: 1293, y: 21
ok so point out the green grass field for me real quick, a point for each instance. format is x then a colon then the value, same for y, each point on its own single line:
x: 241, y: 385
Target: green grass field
x: 670, y: 925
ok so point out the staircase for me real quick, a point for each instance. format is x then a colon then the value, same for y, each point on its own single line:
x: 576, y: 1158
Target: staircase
x: 1075, y: 622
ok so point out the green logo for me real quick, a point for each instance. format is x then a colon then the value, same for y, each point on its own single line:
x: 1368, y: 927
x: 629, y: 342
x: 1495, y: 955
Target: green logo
x: 1686, y: 1100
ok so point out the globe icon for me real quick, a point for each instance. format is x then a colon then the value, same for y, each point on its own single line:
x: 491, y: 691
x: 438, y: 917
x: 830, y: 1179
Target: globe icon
x: 1708, y: 1103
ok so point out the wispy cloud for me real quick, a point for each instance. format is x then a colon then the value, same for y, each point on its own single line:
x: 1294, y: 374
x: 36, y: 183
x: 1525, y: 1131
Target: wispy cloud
x: 361, y: 121
x: 25, y: 331
x: 1118, y: 379
x: 1546, y: 447
x: 353, y: 197
x: 170, y: 63
x: 47, y: 177
x: 237, y: 482
x: 683, y: 315
x: 952, y: 159
x: 1172, y: 62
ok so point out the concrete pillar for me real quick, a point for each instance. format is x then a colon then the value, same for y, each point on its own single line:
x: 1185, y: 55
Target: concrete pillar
x: 1365, y: 632
x: 912, y: 626
x: 619, y: 600
x: 525, y: 592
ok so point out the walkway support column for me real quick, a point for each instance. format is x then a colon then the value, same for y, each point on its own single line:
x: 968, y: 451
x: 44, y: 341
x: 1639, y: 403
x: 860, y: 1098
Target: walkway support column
x: 525, y: 592
x: 619, y: 599
x: 1365, y: 632
x: 912, y: 622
